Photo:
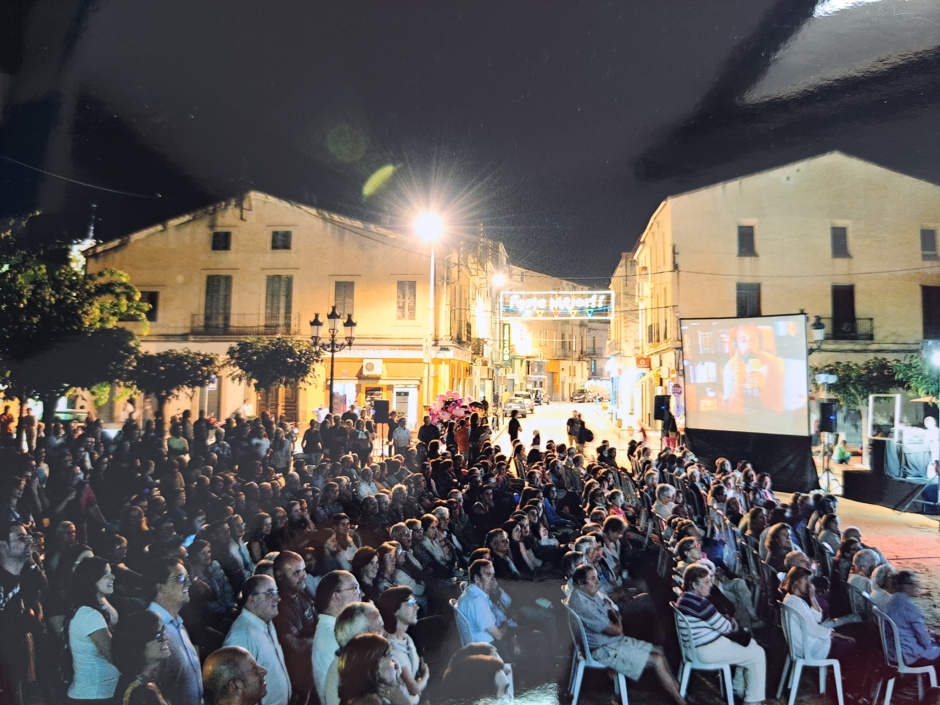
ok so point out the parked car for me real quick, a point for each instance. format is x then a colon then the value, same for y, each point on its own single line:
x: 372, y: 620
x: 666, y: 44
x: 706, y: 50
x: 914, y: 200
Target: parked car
x: 582, y: 395
x: 528, y: 399
x: 516, y: 404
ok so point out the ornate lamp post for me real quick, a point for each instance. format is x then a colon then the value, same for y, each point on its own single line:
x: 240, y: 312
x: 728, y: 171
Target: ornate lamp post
x: 330, y: 345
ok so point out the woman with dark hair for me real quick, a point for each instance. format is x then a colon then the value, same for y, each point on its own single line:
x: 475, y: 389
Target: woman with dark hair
x: 220, y: 601
x: 474, y: 438
x: 522, y: 558
x: 399, y: 610
x: 477, y: 677
x: 88, y: 629
x: 388, y: 565
x: 362, y: 440
x: 280, y: 537
x: 257, y: 536
x: 367, y: 670
x: 821, y: 641
x: 778, y: 544
x: 140, y: 644
x: 347, y: 540
x: 365, y: 566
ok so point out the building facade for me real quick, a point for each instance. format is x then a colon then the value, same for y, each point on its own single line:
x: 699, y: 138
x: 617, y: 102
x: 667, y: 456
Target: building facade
x: 557, y: 357
x: 624, y: 364
x: 832, y: 236
x: 261, y: 266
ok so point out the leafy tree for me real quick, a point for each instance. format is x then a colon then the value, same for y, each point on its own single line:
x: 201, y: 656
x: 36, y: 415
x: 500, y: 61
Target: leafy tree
x: 918, y: 375
x: 166, y: 374
x: 268, y: 363
x: 857, y: 381
x: 82, y: 360
x: 50, y: 308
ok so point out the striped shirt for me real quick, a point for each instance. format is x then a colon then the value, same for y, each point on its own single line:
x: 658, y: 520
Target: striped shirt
x: 706, y: 622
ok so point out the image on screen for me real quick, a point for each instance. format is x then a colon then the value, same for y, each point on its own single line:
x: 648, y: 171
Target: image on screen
x: 746, y: 374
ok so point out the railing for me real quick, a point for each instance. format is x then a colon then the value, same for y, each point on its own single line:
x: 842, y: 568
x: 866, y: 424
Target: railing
x: 244, y: 324
x: 851, y: 329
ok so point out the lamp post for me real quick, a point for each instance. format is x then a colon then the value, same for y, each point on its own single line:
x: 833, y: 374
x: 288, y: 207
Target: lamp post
x: 429, y: 227
x: 330, y: 345
x: 818, y: 329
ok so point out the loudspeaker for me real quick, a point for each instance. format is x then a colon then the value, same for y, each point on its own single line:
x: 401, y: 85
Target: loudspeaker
x: 660, y: 407
x: 827, y: 417
x: 381, y: 410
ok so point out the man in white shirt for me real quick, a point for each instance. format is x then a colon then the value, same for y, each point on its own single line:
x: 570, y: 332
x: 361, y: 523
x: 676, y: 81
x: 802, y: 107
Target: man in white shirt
x: 254, y: 631
x: 179, y: 676
x: 336, y: 590
x: 484, y: 604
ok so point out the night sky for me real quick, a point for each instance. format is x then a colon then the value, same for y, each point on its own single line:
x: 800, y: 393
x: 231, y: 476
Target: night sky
x: 560, y: 126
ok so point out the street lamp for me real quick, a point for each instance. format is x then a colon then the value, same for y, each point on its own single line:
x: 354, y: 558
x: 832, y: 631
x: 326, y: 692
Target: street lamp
x: 330, y: 345
x: 429, y: 227
x: 819, y: 334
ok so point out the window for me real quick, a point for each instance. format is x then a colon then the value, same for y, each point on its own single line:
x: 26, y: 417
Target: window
x: 931, y: 311
x: 746, y: 241
x: 843, y: 312
x: 343, y: 294
x: 221, y: 240
x: 748, y: 300
x: 278, y: 302
x: 407, y: 294
x: 280, y: 240
x: 840, y: 241
x: 218, y: 301
x: 928, y: 243
x: 152, y: 298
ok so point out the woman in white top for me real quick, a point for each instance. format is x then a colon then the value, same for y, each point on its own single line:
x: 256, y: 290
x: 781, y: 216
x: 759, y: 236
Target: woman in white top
x: 89, y: 627
x: 399, y: 611
x: 821, y: 641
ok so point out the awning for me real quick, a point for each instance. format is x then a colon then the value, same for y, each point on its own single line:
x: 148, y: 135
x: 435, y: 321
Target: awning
x: 926, y: 400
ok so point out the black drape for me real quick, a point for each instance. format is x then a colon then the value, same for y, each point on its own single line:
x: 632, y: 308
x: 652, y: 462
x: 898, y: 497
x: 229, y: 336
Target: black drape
x: 788, y: 459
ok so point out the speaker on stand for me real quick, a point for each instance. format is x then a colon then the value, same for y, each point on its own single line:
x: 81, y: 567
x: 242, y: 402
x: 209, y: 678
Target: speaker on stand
x: 828, y: 424
x: 380, y: 409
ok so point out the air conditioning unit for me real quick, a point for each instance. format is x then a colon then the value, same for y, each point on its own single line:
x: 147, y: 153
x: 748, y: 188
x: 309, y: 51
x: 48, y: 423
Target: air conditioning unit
x: 371, y: 368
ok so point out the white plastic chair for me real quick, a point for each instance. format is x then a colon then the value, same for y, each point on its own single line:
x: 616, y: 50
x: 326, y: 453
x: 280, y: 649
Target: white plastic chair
x: 794, y: 629
x: 891, y: 644
x: 463, y: 624
x: 583, y: 659
x: 691, y: 662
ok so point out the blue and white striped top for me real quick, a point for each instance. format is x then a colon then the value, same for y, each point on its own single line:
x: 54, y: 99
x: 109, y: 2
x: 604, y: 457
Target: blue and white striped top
x: 707, y: 623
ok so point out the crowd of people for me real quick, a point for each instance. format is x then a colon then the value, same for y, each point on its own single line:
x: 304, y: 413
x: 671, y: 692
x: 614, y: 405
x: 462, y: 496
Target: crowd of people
x: 239, y: 561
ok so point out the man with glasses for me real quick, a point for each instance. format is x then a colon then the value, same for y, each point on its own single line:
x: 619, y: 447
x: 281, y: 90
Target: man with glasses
x: 295, y: 623
x: 254, y: 631
x: 166, y: 583
x: 336, y: 590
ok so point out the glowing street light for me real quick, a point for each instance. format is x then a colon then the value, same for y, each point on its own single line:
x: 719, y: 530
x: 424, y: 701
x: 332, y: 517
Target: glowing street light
x: 499, y: 279
x: 429, y: 226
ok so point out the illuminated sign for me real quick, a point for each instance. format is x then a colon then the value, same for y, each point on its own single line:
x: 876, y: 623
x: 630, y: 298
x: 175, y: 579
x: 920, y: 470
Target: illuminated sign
x: 506, y: 345
x: 557, y: 305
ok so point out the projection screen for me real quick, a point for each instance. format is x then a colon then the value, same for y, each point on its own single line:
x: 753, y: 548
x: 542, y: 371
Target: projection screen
x: 746, y: 374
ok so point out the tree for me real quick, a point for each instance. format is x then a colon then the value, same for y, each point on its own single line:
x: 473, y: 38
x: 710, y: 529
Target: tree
x: 166, y: 374
x: 50, y: 310
x: 918, y: 375
x: 857, y: 381
x: 82, y: 360
x: 268, y: 363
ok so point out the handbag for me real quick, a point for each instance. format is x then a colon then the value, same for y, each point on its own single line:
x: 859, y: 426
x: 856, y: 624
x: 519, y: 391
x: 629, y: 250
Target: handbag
x: 741, y: 637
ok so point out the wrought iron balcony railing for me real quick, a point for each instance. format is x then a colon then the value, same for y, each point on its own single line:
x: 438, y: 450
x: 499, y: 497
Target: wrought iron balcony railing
x: 850, y: 329
x: 244, y: 324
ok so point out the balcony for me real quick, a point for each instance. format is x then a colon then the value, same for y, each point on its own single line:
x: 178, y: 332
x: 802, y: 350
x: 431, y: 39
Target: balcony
x: 239, y: 324
x: 851, y: 329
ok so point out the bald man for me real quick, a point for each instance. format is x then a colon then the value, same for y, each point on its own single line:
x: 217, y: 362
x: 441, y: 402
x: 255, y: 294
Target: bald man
x: 231, y: 676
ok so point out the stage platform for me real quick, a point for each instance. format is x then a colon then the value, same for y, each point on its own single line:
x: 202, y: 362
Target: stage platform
x: 872, y: 487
